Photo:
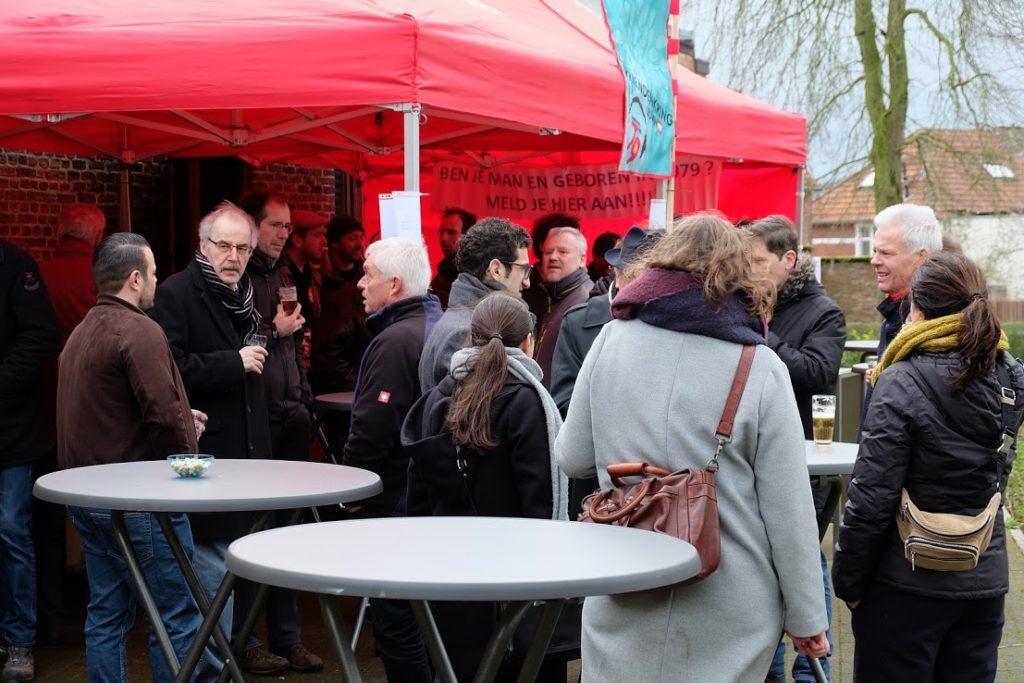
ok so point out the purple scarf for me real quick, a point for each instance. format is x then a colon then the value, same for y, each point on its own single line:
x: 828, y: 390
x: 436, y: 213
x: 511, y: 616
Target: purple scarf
x: 674, y: 300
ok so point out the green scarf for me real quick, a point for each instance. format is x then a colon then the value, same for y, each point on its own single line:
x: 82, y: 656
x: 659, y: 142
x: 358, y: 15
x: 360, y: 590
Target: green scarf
x: 935, y: 336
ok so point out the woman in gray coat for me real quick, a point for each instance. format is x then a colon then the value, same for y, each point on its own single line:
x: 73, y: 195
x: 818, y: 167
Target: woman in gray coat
x: 652, y: 388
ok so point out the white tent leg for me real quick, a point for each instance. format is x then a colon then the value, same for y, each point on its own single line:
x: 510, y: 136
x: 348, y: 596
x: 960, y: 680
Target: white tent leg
x: 411, y: 114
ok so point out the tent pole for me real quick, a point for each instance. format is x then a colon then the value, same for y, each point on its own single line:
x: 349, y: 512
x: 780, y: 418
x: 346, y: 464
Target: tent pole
x: 127, y: 158
x: 411, y: 147
x: 800, y: 203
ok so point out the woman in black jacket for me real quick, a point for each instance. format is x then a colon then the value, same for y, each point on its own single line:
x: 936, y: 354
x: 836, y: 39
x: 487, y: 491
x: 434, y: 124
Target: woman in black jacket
x: 934, y: 427
x: 492, y: 415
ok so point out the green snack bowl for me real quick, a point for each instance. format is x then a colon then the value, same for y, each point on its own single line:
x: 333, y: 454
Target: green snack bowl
x: 190, y: 465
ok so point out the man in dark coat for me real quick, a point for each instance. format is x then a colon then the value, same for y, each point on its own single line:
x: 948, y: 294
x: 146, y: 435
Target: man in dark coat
x: 401, y: 315
x: 492, y: 257
x: 208, y: 315
x: 68, y: 278
x: 580, y: 328
x: 564, y: 284
x: 807, y: 331
x: 29, y: 340
x: 288, y: 406
x: 454, y: 224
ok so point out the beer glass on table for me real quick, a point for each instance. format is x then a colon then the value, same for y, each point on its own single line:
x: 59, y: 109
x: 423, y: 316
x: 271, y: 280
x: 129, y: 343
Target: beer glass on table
x: 823, y: 418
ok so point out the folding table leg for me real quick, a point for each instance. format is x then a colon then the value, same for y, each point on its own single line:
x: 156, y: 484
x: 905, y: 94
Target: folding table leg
x: 339, y: 638
x: 503, y: 632
x: 360, y: 619
x: 261, y: 593
x: 539, y: 642
x: 432, y: 639
x: 145, y: 597
x: 211, y: 613
x: 318, y: 427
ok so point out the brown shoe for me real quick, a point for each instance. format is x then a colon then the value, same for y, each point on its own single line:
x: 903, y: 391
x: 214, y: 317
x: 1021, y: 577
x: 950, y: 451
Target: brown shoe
x: 301, y: 658
x: 257, y: 660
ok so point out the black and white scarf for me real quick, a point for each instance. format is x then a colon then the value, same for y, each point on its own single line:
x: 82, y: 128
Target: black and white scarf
x: 238, y: 302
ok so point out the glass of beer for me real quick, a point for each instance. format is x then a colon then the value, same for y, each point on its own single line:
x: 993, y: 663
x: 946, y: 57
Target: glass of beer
x: 823, y: 418
x: 289, y: 298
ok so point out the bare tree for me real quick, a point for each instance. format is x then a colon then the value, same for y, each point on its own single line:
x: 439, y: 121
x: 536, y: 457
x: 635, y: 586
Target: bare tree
x: 865, y: 72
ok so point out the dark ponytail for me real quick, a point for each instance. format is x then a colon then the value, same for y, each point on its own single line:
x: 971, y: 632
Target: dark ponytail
x: 950, y: 283
x: 499, y: 320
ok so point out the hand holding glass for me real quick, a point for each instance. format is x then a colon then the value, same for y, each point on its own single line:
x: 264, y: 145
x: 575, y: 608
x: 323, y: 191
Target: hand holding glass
x: 259, y: 340
x: 823, y: 417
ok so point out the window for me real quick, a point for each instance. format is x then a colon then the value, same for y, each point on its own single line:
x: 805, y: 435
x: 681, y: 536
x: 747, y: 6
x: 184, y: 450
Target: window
x: 864, y: 239
x: 999, y: 171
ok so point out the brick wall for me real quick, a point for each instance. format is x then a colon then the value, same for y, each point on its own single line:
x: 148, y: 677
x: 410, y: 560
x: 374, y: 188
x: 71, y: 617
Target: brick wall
x: 34, y: 187
x: 311, y: 189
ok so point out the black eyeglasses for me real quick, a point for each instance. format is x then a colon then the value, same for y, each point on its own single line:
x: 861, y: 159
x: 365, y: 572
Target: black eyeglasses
x: 226, y: 247
x: 527, y: 268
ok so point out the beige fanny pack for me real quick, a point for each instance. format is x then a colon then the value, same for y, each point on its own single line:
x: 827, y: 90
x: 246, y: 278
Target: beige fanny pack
x: 945, y: 542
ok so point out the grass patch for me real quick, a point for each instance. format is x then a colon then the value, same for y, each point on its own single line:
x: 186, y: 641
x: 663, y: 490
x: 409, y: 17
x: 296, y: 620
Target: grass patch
x: 1015, y: 487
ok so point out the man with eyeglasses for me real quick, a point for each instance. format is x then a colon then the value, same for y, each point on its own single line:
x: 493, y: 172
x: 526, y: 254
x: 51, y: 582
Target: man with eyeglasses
x: 289, y: 401
x: 492, y: 256
x: 208, y: 315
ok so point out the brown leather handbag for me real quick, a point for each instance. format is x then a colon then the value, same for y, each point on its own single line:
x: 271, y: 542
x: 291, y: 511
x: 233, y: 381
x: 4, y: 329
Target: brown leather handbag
x: 681, y: 504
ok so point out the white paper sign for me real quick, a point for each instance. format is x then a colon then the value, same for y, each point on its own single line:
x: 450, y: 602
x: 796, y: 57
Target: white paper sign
x: 400, y: 215
x: 387, y: 215
x: 656, y: 216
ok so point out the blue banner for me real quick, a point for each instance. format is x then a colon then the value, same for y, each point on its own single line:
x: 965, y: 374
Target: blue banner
x: 639, y: 35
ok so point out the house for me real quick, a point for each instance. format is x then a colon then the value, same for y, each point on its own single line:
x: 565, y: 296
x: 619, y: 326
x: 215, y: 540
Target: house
x: 973, y: 179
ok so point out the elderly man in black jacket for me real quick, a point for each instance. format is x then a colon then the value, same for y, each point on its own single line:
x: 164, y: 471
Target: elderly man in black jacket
x: 208, y: 314
x: 401, y: 315
x: 807, y: 331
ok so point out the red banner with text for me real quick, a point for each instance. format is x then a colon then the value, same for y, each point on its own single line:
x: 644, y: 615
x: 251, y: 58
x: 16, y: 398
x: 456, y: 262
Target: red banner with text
x: 591, y: 191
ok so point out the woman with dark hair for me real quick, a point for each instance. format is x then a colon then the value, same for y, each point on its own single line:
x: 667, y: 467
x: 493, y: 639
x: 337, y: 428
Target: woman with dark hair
x: 480, y: 444
x: 945, y: 394
x: 652, y: 389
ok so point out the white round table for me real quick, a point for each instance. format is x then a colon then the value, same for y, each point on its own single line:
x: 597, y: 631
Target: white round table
x: 228, y: 486
x: 460, y: 558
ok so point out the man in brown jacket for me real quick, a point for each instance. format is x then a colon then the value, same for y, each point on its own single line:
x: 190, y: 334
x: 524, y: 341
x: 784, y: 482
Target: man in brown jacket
x: 120, y: 399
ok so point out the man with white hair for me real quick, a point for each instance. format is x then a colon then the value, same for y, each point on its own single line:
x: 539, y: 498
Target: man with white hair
x: 401, y: 315
x: 905, y: 236
x: 208, y: 315
x: 564, y: 284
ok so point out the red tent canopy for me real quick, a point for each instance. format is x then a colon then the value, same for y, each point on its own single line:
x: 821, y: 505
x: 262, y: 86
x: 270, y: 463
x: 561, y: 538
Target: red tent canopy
x: 323, y: 81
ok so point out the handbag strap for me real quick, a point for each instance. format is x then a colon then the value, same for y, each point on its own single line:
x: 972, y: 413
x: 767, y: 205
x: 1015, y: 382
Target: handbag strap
x: 723, y: 434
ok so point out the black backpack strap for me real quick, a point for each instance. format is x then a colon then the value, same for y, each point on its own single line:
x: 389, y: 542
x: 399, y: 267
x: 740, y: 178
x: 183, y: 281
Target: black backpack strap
x: 1008, y: 403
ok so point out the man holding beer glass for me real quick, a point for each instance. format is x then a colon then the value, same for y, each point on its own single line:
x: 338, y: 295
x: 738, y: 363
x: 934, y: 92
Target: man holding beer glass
x: 288, y: 405
x: 808, y: 331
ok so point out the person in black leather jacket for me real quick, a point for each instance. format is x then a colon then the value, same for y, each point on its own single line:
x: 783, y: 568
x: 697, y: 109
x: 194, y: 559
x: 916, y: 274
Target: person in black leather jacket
x: 933, y: 428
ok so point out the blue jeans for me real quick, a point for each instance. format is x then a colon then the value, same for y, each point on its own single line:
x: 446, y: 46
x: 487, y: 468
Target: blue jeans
x: 17, y: 558
x: 112, y: 600
x: 801, y: 667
